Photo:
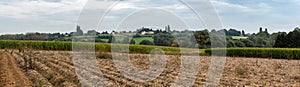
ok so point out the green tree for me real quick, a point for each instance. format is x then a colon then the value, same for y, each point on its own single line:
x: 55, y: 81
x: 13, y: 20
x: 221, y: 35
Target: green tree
x: 163, y: 39
x: 112, y: 39
x: 247, y: 42
x: 243, y: 33
x: 202, y: 38
x: 132, y: 41
x: 127, y: 40
x: 293, y: 38
x: 230, y: 44
x: 240, y: 44
x: 233, y: 32
x: 260, y: 30
x: 146, y: 42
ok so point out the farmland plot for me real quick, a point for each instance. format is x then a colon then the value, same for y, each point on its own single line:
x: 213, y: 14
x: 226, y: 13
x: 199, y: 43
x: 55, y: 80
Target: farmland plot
x: 56, y: 68
x: 10, y: 74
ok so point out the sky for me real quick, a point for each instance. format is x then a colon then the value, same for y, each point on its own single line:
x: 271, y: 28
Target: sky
x: 21, y: 16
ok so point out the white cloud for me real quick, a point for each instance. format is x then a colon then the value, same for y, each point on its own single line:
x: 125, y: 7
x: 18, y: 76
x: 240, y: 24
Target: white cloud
x: 223, y: 6
x: 27, y: 9
x: 175, y: 6
x: 62, y: 14
x: 124, y: 6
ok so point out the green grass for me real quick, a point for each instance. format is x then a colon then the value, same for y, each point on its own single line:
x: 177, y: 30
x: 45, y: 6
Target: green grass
x: 239, y: 37
x: 140, y: 39
x: 106, y: 40
x: 276, y: 53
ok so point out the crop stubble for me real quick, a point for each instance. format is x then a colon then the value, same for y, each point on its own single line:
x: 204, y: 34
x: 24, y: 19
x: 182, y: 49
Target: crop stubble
x: 55, y: 68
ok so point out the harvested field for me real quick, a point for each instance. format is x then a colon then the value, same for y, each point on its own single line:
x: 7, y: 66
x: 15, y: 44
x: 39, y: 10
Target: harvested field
x: 55, y: 68
x: 10, y: 74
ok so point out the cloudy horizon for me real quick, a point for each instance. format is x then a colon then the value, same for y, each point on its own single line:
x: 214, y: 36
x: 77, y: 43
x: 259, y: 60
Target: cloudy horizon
x: 21, y: 16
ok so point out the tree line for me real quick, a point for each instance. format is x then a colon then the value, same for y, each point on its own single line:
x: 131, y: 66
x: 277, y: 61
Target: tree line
x: 262, y: 39
x: 178, y: 38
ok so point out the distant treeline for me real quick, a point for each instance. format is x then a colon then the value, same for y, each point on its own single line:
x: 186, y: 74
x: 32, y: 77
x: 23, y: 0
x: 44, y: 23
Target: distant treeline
x: 167, y: 37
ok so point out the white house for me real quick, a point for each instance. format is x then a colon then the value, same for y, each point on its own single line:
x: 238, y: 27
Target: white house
x: 147, y: 33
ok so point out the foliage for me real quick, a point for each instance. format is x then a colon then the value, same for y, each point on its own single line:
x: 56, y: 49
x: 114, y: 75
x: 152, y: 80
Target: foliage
x: 140, y: 39
x: 277, y: 53
x: 233, y: 32
x: 162, y: 39
x: 239, y: 37
x: 132, y: 41
x: 146, y: 42
x: 33, y: 36
x: 202, y: 38
x: 112, y: 39
x: 230, y: 44
x: 290, y: 40
x: 127, y: 40
x: 247, y: 42
x: 235, y: 38
x: 240, y: 44
x: 67, y: 46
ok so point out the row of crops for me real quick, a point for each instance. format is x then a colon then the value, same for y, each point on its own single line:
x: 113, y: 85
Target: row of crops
x: 67, y: 46
x: 276, y: 53
x: 38, y: 45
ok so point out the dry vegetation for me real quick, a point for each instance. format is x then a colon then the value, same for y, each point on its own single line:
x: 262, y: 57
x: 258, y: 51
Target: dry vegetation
x: 55, y: 68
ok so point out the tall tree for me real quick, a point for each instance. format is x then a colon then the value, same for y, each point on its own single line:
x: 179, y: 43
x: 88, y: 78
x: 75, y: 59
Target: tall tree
x: 163, y: 39
x: 260, y: 29
x: 243, y: 33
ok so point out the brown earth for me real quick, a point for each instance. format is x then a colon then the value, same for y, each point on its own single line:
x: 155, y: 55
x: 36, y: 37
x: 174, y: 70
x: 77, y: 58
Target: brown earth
x: 10, y: 74
x: 56, y: 68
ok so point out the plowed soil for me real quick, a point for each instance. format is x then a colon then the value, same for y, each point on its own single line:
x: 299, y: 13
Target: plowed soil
x: 10, y: 74
x: 56, y: 68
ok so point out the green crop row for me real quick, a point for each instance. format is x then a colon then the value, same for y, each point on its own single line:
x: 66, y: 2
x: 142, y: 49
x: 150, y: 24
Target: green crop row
x: 276, y: 53
x: 68, y: 46
x: 41, y: 45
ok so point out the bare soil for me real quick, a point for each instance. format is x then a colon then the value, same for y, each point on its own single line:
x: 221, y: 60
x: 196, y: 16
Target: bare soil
x: 56, y: 68
x: 10, y: 74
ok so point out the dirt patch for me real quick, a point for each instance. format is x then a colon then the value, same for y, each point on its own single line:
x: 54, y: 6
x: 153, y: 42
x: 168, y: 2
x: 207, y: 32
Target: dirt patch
x: 10, y: 74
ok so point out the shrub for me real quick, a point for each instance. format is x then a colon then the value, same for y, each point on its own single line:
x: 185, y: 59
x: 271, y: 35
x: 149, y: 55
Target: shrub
x: 277, y: 53
x: 146, y: 42
x: 162, y: 39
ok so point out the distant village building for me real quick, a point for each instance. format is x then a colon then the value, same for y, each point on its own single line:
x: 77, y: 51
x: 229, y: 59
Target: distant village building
x: 147, y: 33
x: 92, y: 32
x: 79, y: 32
x: 114, y: 32
x: 168, y: 28
x: 122, y: 32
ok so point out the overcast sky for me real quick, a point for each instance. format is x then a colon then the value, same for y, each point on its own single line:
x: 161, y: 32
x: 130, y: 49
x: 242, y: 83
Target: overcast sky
x: 21, y: 16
